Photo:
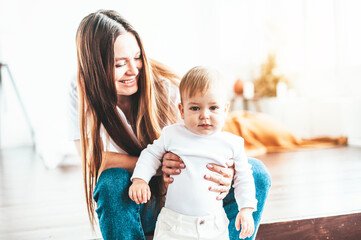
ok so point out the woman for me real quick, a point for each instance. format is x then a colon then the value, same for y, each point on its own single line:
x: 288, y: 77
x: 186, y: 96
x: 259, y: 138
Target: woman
x: 125, y: 100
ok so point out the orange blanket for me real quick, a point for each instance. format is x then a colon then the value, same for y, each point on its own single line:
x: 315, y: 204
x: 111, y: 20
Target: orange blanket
x: 264, y: 134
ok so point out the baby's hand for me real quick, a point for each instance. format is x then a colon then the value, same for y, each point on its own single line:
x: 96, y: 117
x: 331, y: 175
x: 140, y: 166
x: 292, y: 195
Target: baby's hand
x: 245, y: 218
x: 139, y: 191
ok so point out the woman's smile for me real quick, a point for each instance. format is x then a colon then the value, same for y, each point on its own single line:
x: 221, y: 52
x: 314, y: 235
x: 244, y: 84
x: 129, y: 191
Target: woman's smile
x: 128, y: 81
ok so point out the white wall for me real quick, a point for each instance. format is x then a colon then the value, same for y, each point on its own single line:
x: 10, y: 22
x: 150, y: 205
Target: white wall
x: 317, y: 44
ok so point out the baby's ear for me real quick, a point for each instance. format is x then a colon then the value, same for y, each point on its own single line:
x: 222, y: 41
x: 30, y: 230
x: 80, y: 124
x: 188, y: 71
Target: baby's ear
x: 181, y: 110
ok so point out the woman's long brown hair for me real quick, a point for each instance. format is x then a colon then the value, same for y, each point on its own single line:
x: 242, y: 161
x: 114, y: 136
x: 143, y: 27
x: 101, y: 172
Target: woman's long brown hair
x: 95, y: 39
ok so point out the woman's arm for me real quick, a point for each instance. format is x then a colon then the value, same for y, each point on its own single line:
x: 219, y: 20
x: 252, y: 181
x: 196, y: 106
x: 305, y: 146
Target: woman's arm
x: 119, y: 160
x: 113, y: 159
x: 172, y: 165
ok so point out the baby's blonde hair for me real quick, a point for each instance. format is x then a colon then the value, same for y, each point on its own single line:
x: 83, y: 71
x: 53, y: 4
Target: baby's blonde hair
x: 198, y: 80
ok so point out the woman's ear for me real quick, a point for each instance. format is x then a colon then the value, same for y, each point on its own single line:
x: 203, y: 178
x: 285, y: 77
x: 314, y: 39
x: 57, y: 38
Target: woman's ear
x: 181, y: 110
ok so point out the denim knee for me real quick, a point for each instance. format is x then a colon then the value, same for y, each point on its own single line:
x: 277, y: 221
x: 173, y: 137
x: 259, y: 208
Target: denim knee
x: 262, y: 182
x: 118, y: 215
x: 261, y: 176
x: 112, y: 183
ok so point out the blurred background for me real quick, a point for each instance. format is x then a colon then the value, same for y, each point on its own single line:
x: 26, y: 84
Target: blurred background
x: 301, y: 59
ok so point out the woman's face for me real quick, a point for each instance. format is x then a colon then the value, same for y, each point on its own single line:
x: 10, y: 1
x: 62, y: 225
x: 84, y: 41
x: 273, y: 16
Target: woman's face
x: 127, y: 64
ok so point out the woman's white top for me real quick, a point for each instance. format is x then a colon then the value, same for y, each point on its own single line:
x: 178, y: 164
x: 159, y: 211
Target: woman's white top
x: 189, y: 193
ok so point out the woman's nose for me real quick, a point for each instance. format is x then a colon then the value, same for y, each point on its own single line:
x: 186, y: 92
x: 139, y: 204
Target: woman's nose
x: 133, y: 67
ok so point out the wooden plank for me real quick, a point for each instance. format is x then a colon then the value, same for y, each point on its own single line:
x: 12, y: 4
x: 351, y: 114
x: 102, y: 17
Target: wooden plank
x: 345, y: 227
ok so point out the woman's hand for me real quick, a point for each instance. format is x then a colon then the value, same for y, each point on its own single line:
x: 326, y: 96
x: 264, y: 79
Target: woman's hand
x: 224, y: 181
x: 118, y: 160
x: 172, y: 165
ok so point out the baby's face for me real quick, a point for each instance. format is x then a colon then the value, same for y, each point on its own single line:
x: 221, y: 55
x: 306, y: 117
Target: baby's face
x: 204, y: 114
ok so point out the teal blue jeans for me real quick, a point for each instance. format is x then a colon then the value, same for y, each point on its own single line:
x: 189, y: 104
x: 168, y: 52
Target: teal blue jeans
x: 121, y: 218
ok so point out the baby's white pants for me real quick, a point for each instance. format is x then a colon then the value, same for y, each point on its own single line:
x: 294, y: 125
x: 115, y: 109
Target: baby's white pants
x: 175, y: 226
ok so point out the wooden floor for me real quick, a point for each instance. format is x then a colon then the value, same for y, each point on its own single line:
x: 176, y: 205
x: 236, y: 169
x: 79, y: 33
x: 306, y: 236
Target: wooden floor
x: 37, y: 203
x: 313, y: 183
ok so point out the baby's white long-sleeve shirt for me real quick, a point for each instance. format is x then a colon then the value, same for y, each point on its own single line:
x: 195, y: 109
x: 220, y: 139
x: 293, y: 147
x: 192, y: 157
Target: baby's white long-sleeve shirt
x: 189, y: 193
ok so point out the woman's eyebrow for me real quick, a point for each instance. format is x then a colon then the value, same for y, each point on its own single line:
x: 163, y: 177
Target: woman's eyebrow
x: 126, y: 58
x: 121, y: 58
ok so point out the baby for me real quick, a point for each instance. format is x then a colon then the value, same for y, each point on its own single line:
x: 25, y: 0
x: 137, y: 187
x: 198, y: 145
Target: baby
x: 191, y: 209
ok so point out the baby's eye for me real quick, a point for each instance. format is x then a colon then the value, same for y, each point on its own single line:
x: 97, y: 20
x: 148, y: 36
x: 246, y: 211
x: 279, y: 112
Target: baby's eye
x: 214, y: 108
x: 194, y: 108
